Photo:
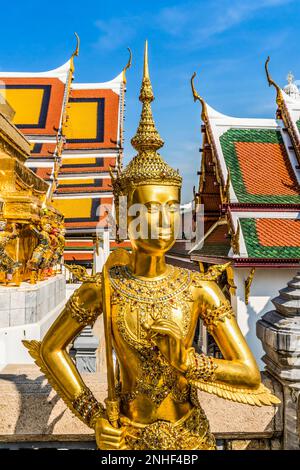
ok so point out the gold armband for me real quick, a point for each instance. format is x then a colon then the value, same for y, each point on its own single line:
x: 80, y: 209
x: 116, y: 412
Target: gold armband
x: 86, y: 405
x: 211, y: 317
x: 81, y: 314
x: 201, y: 367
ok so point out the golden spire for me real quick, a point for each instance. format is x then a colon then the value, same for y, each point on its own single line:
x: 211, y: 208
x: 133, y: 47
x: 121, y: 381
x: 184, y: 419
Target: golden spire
x: 147, y: 137
x: 147, y: 167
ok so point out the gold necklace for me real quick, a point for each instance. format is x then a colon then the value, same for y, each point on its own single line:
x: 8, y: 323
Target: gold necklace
x: 152, y: 299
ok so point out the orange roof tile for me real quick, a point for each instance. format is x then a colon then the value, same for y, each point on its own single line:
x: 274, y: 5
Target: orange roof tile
x: 278, y: 232
x: 266, y: 169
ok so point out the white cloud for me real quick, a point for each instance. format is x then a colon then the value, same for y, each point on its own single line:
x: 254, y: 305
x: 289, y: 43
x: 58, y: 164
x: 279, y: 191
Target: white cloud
x: 196, y: 23
x: 193, y: 23
x: 114, y: 32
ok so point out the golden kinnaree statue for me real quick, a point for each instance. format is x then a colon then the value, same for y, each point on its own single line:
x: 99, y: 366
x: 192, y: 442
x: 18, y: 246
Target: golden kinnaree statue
x: 151, y: 310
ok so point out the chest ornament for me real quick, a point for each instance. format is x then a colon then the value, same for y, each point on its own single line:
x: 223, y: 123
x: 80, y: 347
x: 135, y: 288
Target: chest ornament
x: 151, y: 300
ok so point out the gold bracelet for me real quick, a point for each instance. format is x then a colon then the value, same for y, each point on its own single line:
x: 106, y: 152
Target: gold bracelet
x: 203, y: 368
x: 87, y: 406
x: 79, y: 313
x: 211, y: 317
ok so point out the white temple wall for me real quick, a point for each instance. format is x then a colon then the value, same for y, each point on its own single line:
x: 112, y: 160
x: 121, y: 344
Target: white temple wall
x: 265, y: 286
x: 27, y: 312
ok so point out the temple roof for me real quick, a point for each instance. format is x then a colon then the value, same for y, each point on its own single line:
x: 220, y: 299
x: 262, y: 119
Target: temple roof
x: 250, y: 186
x: 260, y: 169
x: 256, y: 152
x: 265, y: 237
x: 76, y: 127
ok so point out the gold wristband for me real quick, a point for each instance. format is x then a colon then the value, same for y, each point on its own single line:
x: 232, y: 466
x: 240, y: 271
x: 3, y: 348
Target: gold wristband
x: 87, y: 406
x: 211, y: 317
x: 79, y: 313
x: 202, y: 368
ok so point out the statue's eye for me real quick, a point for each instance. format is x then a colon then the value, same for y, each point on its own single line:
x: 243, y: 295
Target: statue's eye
x: 153, y: 208
x: 173, y: 207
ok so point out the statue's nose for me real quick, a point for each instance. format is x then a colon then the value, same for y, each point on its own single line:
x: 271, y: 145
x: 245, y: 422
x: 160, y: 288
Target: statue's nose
x: 164, y: 219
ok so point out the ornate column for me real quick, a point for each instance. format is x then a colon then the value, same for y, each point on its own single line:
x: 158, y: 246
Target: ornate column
x: 279, y: 331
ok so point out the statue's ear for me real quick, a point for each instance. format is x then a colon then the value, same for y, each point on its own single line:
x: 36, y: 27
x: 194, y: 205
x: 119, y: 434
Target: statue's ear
x: 120, y: 256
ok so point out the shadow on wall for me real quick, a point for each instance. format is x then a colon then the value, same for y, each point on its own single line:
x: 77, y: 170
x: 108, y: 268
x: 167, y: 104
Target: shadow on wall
x: 33, y: 414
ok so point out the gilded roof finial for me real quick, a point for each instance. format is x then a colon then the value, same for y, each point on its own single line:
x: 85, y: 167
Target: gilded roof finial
x: 271, y: 82
x: 199, y: 98
x: 128, y: 65
x: 75, y: 53
x: 147, y: 137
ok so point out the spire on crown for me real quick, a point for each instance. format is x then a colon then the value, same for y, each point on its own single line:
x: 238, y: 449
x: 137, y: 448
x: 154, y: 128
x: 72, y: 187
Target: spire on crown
x: 147, y: 136
x: 147, y: 167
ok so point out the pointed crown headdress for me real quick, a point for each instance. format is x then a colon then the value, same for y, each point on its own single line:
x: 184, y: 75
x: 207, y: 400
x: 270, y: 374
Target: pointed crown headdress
x: 147, y: 167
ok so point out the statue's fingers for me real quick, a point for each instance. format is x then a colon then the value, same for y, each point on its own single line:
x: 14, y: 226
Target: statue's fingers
x: 108, y: 445
x: 163, y: 344
x: 113, y: 439
x: 108, y: 429
x: 168, y: 323
x: 166, y: 330
x: 163, y: 331
x: 163, y: 321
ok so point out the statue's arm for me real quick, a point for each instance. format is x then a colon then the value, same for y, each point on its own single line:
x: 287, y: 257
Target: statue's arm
x: 236, y: 376
x: 238, y: 366
x: 53, y: 359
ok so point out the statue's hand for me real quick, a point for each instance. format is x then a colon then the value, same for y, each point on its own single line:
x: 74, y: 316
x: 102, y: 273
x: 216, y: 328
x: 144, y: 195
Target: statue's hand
x: 167, y: 336
x: 108, y: 437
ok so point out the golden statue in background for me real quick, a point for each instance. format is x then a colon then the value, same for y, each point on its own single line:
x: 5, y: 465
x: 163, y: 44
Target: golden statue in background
x: 150, y: 313
x: 31, y: 230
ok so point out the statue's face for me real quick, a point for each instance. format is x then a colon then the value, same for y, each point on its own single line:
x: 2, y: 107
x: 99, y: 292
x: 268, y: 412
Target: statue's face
x: 154, y: 217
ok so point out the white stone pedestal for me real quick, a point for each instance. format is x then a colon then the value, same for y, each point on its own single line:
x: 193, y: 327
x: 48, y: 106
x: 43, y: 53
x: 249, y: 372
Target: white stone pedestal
x: 26, y: 312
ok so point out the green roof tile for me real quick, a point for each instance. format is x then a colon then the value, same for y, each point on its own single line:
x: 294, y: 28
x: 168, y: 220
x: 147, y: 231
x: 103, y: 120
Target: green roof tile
x: 256, y: 250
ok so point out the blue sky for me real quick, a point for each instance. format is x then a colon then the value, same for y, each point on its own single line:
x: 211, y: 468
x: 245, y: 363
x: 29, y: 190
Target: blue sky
x: 225, y: 41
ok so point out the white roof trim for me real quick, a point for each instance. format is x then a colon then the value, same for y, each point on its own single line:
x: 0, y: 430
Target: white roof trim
x: 265, y: 215
x: 60, y: 73
x: 74, y: 156
x: 291, y: 154
x: 34, y: 164
x: 114, y: 85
